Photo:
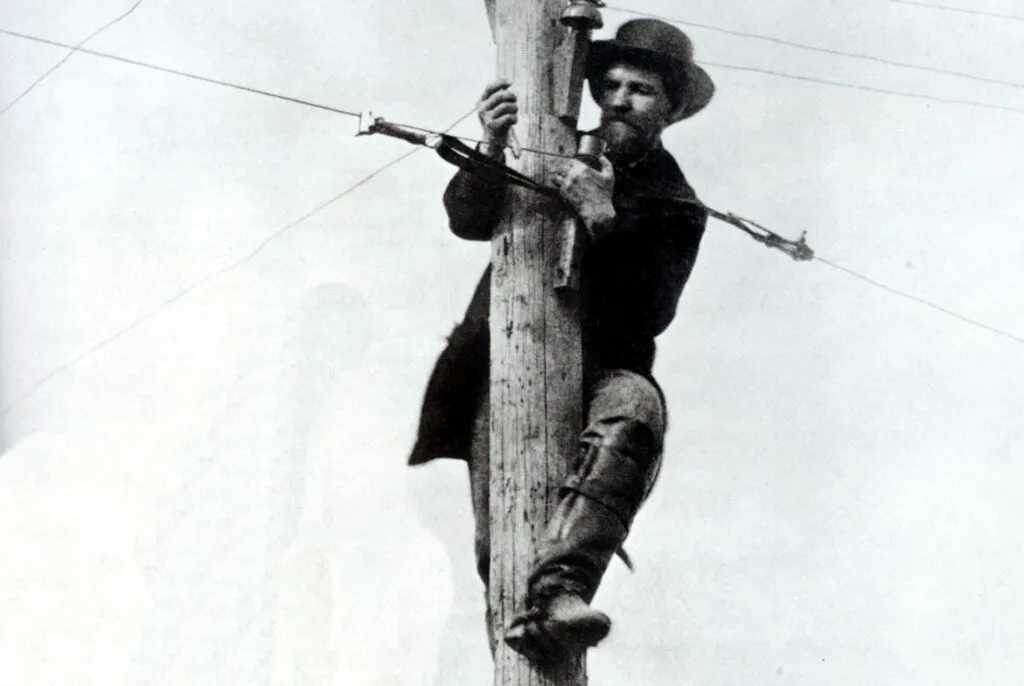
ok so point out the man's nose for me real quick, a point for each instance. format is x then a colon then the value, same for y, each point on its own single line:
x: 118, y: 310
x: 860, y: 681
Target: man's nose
x: 618, y: 100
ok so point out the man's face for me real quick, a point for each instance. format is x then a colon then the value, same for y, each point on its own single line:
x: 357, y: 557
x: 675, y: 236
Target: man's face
x: 635, y: 109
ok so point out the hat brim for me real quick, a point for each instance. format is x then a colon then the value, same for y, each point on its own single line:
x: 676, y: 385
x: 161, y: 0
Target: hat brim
x: 693, y: 87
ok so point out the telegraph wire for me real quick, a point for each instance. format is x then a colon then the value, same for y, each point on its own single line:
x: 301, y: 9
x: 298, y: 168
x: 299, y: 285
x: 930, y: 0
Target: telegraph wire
x: 272, y: 237
x: 74, y: 49
x: 42, y: 381
x: 814, y: 48
x: 248, y: 89
x: 798, y: 250
x: 869, y: 89
x: 919, y: 300
x: 468, y: 139
x: 176, y: 72
x: 350, y: 113
x: 962, y: 10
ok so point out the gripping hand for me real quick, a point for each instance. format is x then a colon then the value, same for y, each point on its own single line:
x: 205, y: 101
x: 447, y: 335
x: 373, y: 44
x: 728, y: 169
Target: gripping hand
x: 498, y: 111
x: 589, y: 192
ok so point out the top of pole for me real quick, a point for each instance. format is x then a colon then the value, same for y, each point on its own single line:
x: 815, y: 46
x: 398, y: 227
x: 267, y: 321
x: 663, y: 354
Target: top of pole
x: 490, y: 5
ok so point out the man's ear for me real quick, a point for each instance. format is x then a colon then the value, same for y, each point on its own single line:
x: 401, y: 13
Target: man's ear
x: 675, y: 113
x: 669, y: 113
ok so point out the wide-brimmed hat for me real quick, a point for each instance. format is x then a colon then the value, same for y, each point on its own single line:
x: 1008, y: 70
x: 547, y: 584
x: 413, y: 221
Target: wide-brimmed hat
x: 660, y: 46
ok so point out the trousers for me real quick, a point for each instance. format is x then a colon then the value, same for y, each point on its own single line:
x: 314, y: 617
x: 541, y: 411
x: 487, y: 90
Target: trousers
x: 609, y: 478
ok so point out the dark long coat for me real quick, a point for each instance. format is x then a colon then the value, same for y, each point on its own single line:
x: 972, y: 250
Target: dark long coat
x: 632, y: 278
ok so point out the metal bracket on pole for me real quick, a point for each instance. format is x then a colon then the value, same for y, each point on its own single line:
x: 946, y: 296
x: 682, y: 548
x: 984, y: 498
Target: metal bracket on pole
x: 581, y: 17
x: 566, y: 274
x: 573, y: 233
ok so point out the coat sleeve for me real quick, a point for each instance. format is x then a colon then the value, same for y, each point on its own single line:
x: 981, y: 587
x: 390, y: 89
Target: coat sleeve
x: 473, y: 204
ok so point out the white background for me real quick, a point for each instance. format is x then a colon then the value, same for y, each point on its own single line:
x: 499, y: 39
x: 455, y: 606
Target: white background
x: 218, y: 496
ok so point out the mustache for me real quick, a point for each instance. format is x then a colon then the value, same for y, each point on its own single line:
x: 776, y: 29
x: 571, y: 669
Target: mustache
x: 618, y: 119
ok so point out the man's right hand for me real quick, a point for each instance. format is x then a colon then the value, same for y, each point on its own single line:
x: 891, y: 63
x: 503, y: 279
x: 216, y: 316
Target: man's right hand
x: 498, y: 111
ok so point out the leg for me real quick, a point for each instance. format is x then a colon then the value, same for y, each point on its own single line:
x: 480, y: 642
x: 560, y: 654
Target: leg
x: 479, y: 488
x: 614, y: 473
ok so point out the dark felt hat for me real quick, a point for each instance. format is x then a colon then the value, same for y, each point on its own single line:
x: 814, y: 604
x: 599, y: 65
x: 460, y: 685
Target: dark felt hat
x: 660, y: 46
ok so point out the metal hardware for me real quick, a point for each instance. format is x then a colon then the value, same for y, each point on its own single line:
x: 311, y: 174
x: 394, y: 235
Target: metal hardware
x: 369, y: 124
x: 583, y: 15
x: 591, y: 147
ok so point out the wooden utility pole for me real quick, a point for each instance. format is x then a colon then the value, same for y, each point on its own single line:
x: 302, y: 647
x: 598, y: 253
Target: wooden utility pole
x: 536, y: 361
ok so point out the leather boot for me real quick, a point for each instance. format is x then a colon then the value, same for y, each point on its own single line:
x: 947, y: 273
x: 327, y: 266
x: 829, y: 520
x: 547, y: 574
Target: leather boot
x: 564, y: 626
x: 599, y: 501
x: 580, y: 542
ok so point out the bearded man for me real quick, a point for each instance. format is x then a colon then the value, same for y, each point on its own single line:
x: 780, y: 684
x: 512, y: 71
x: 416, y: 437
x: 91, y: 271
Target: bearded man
x: 645, y: 230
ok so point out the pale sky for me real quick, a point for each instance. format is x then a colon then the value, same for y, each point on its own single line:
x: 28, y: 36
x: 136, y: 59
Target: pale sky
x: 219, y: 496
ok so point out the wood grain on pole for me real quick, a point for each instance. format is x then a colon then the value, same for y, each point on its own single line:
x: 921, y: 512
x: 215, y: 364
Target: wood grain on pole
x: 535, y: 337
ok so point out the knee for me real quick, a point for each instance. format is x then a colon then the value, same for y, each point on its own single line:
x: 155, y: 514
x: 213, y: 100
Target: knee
x: 624, y: 405
x: 625, y: 436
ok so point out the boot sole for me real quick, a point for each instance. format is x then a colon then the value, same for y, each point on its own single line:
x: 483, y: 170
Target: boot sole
x: 550, y: 639
x: 583, y: 633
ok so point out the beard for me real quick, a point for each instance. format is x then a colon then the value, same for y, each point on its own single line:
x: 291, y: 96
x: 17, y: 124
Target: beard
x: 626, y: 142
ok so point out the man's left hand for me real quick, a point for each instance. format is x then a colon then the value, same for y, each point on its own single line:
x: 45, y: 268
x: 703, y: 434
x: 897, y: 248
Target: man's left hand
x: 588, y: 191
